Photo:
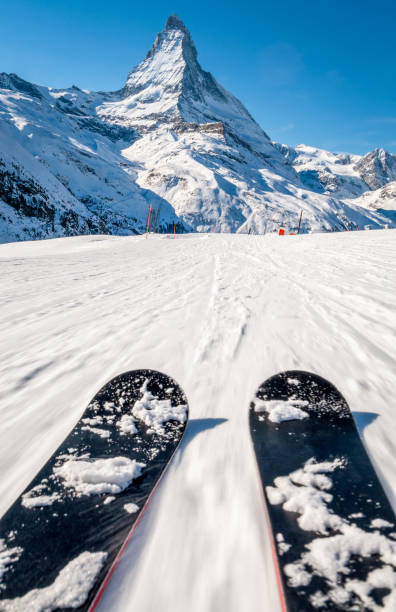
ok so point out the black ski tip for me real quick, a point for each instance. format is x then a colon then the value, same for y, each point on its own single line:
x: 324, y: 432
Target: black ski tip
x: 330, y: 520
x: 121, y: 446
x: 306, y: 391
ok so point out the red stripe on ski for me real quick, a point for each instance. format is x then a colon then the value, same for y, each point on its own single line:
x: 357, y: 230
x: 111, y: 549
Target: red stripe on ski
x: 279, y: 584
x: 116, y: 561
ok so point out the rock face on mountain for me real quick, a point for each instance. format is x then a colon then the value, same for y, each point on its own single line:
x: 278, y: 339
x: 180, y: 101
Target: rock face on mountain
x: 377, y: 168
x: 171, y: 137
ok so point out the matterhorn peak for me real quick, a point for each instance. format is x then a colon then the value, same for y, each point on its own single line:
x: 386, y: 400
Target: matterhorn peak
x: 175, y: 23
x: 170, y: 88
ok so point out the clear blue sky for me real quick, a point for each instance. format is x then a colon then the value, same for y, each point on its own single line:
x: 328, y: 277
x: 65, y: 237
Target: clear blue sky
x: 321, y: 73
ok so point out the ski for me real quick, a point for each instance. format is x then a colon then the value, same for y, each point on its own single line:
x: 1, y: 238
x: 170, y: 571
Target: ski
x: 62, y: 538
x: 332, y: 527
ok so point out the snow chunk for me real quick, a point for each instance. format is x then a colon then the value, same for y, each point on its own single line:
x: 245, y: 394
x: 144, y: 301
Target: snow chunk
x: 8, y: 556
x: 127, y: 424
x: 329, y: 558
x: 283, y: 547
x: 279, y: 410
x: 305, y: 492
x: 99, y: 475
x: 36, y: 497
x: 378, y: 523
x: 103, y: 433
x: 96, y: 420
x: 381, y: 578
x: 69, y: 590
x: 154, y: 412
x: 40, y: 500
x: 131, y: 508
x: 109, y: 499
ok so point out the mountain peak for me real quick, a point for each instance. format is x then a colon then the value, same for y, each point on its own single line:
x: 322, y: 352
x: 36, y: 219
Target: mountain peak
x: 175, y: 23
x: 170, y: 86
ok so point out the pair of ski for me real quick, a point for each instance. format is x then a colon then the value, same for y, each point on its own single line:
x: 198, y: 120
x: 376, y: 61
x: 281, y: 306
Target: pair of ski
x: 330, y: 523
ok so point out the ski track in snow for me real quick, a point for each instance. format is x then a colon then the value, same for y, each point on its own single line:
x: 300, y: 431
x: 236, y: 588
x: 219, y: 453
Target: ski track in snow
x: 220, y: 314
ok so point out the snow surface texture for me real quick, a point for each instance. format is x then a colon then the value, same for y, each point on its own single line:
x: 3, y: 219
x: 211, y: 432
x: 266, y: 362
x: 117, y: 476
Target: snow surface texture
x: 99, y: 475
x: 69, y: 590
x: 306, y: 492
x: 77, y: 162
x: 220, y: 314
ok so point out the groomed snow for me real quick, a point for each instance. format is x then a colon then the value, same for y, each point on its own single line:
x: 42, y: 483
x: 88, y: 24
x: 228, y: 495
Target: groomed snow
x: 220, y: 314
x: 69, y: 590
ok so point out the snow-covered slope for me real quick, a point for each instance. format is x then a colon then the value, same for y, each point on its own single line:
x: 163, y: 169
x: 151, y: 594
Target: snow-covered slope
x: 171, y: 137
x: 220, y: 314
x: 383, y: 200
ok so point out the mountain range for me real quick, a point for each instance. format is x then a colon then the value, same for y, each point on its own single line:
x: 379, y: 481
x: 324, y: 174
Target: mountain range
x: 74, y: 161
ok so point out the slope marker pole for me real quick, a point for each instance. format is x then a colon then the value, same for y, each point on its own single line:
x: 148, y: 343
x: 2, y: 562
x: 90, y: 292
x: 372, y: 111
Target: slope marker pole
x: 299, y: 223
x: 153, y: 220
x: 148, y: 220
x: 158, y: 219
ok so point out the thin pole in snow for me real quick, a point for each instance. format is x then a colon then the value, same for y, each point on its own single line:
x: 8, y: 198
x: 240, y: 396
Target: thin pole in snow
x: 158, y: 219
x: 174, y: 230
x: 153, y: 220
x: 148, y: 220
x: 299, y: 223
x: 266, y: 218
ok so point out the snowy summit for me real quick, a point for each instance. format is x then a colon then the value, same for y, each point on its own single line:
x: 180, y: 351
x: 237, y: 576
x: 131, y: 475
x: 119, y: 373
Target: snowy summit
x: 77, y: 162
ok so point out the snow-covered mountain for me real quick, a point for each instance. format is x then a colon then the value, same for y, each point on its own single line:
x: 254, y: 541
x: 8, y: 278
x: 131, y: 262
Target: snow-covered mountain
x: 346, y: 175
x: 62, y: 171
x: 73, y: 161
x: 368, y: 180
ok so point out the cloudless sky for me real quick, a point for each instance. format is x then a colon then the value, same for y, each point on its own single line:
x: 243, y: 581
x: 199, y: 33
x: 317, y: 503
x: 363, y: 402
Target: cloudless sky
x: 314, y: 72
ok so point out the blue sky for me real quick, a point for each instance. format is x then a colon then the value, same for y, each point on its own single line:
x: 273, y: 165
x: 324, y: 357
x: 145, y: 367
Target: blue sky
x: 320, y: 73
